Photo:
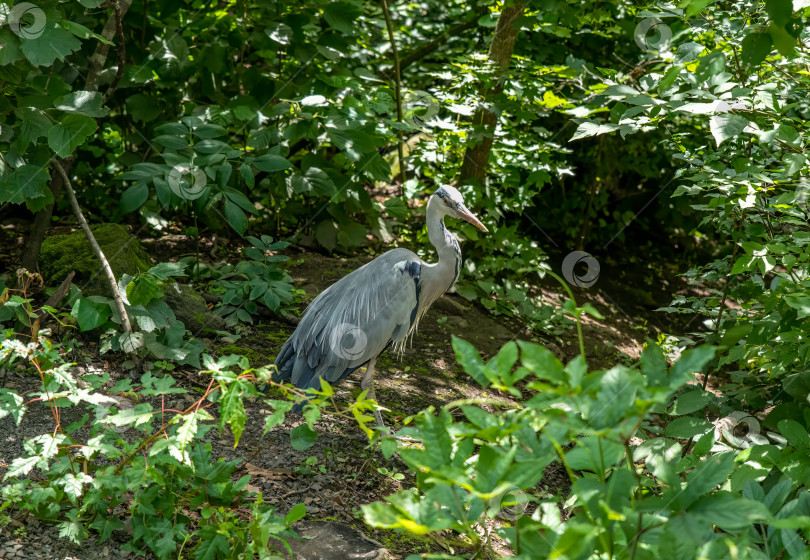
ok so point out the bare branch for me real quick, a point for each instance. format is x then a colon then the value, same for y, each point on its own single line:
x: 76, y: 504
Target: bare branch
x: 119, y: 301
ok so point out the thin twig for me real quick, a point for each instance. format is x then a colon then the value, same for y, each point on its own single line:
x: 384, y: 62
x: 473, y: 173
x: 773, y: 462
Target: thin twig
x: 119, y: 301
x: 121, y: 49
x: 397, y: 90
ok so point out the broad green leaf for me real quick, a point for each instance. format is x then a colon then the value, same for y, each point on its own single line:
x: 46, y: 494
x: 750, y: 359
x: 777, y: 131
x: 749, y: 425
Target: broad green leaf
x: 271, y: 163
x: 341, y: 16
x: 795, y: 433
x: 26, y: 182
x: 726, y: 127
x: 687, y: 427
x: 236, y: 217
x: 70, y: 133
x: 134, y: 197
x: 690, y: 402
x: 779, y: 11
x: 171, y: 141
x: 297, y: 512
x: 143, y: 288
x: 755, y: 48
x: 89, y: 314
x: 53, y: 42
x: 82, y: 102
x: 588, y: 128
x: 9, y: 48
x: 541, y: 361
x: 302, y: 437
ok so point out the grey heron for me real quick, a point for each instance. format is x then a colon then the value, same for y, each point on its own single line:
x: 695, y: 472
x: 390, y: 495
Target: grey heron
x: 380, y: 304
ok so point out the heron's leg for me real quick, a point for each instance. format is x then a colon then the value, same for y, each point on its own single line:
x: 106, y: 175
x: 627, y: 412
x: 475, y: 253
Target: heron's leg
x: 368, y: 383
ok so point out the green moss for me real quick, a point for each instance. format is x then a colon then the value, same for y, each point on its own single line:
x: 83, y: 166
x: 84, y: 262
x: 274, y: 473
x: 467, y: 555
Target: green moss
x: 403, y: 541
x: 249, y: 353
x: 276, y: 337
x: 62, y: 254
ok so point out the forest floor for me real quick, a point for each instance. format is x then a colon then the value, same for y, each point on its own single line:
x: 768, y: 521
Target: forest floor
x: 341, y: 472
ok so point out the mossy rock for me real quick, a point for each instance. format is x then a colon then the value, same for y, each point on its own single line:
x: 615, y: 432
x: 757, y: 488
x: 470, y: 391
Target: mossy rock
x: 191, y: 309
x: 62, y: 254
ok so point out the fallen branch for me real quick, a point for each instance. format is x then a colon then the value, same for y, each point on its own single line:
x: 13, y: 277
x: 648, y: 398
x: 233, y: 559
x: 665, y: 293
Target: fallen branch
x: 119, y: 301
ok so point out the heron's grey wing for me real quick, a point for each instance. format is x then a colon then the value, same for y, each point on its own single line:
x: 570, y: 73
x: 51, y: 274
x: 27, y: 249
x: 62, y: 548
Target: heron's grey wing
x: 353, y: 320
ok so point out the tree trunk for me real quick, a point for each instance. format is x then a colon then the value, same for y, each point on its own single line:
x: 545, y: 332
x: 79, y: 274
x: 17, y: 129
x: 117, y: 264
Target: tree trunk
x: 42, y: 222
x: 476, y: 156
x: 42, y: 219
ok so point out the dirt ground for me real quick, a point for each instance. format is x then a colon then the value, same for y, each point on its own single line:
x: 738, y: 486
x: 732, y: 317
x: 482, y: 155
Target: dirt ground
x: 341, y: 472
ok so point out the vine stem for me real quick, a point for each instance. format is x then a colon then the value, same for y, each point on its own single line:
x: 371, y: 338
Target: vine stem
x: 577, y: 316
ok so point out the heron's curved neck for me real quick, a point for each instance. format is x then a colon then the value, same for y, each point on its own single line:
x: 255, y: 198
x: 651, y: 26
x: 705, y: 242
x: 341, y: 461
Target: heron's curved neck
x: 444, y: 272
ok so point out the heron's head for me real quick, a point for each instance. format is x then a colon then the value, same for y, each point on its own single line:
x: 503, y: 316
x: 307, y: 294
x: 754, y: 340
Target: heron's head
x: 452, y: 204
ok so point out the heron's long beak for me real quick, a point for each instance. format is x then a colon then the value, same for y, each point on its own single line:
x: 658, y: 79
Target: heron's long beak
x: 470, y: 217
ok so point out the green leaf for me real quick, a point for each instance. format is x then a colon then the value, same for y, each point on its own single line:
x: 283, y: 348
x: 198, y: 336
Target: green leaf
x: 143, y: 288
x: 470, y: 360
x: 314, y: 180
x: 725, y: 127
x: 26, y: 182
x: 713, y: 471
x: 795, y: 433
x: 729, y: 512
x: 83, y: 32
x: 208, y: 130
x: 782, y: 40
x: 90, y: 314
x: 779, y: 11
x: 82, y: 102
x: 396, y: 207
x: 691, y: 362
x: 232, y: 410
x: 143, y: 108
x: 134, y: 197
x: 690, y: 402
x: 341, y: 16
x: 302, y: 437
x: 686, y: 427
x: 171, y: 141
x: 35, y: 124
x: 246, y: 172
x: 51, y: 43
x: 106, y: 526
x: 297, y: 512
x: 71, y: 133
x: 236, y: 217
x: 589, y: 128
x: 687, y: 52
x: 755, y: 48
x: 9, y: 48
x: 541, y: 361
x: 270, y: 163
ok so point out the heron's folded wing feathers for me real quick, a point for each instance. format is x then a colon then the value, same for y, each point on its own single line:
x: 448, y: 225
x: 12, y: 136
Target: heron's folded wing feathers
x: 353, y: 320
